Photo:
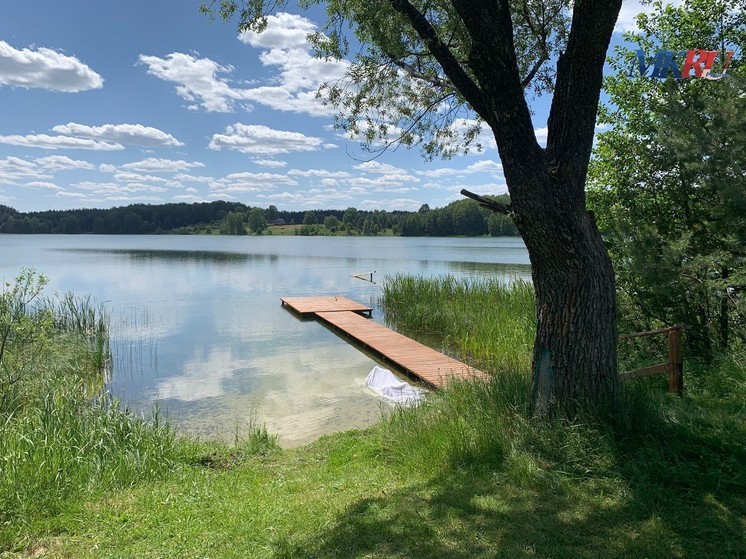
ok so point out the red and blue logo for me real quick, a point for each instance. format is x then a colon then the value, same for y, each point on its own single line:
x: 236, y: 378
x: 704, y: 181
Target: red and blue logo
x: 695, y: 63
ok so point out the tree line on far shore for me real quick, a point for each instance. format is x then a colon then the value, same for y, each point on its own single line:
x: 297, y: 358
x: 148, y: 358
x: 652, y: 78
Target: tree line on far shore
x: 460, y: 218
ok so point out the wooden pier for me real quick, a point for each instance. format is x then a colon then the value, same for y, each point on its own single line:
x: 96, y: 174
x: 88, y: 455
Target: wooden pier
x: 343, y: 316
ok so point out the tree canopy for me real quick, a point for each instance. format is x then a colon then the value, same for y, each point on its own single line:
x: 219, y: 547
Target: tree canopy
x: 667, y: 182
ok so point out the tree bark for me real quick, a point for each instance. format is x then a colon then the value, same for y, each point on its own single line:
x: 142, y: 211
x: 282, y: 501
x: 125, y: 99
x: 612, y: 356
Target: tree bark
x: 575, y: 351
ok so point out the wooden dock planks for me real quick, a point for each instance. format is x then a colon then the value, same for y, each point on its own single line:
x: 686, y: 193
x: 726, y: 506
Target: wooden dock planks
x: 343, y: 315
x: 311, y: 305
x: 413, y: 357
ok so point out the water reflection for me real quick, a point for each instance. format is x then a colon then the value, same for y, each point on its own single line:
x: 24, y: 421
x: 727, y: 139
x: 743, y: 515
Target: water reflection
x: 179, y: 255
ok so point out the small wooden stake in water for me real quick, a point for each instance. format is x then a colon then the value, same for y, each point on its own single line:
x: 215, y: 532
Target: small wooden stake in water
x: 365, y: 276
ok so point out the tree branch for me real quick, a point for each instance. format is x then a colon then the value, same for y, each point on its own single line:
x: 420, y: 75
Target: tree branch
x: 413, y: 72
x: 495, y: 65
x: 505, y: 209
x: 536, y: 67
x: 572, y: 117
x: 451, y: 67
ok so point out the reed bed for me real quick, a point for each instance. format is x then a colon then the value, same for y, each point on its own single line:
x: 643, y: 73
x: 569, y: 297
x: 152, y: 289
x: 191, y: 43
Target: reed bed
x: 487, y: 322
x: 62, y: 438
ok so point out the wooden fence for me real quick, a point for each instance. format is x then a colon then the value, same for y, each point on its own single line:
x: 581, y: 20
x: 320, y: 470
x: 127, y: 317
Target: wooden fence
x: 674, y: 367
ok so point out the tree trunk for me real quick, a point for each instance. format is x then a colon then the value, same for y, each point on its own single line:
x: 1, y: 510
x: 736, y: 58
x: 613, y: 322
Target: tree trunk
x: 575, y: 359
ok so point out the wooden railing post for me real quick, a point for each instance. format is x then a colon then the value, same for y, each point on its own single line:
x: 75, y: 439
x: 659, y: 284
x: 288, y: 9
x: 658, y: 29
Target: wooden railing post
x: 675, y: 362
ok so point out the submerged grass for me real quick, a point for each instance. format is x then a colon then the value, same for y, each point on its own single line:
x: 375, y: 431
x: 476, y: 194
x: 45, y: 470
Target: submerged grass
x: 469, y: 474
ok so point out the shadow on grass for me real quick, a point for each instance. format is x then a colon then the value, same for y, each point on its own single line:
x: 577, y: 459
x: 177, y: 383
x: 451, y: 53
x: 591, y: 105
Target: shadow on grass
x: 671, y: 494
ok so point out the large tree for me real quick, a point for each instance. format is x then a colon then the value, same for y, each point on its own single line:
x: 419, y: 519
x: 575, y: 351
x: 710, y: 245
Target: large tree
x: 433, y: 72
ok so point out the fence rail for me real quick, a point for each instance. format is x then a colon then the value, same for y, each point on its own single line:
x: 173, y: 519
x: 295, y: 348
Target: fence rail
x: 674, y: 367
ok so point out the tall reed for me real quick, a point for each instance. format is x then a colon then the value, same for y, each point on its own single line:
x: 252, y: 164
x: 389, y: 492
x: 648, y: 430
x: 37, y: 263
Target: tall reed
x: 62, y: 438
x: 485, y: 321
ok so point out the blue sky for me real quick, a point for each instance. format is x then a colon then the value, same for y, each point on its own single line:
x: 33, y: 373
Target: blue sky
x: 111, y: 103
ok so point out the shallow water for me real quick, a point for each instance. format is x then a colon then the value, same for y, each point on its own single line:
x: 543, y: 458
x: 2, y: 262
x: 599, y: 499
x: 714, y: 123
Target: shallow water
x: 199, y: 331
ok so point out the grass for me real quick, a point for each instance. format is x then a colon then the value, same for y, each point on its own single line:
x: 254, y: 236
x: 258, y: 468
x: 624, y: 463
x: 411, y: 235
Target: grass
x: 63, y: 440
x: 486, y: 321
x: 469, y: 474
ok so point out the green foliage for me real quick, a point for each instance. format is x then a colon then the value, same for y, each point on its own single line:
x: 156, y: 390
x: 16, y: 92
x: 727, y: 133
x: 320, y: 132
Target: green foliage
x: 667, y: 184
x: 488, y: 322
x: 257, y: 220
x: 463, y: 217
x: 233, y: 224
x: 24, y: 336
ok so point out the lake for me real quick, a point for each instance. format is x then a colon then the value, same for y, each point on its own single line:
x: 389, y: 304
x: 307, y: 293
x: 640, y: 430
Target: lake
x: 198, y: 329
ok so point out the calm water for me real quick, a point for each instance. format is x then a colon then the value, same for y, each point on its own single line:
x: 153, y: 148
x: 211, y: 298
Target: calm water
x: 198, y: 327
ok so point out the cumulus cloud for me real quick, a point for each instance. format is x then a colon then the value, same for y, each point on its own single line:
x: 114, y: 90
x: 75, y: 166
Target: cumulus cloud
x: 273, y: 163
x: 45, y: 141
x: 541, y: 135
x: 262, y: 140
x: 236, y: 183
x: 137, y: 177
x: 630, y: 10
x: 46, y: 69
x: 406, y: 204
x: 197, y: 80
x: 43, y: 184
x: 321, y: 173
x: 157, y: 165
x: 482, y: 166
x: 307, y: 199
x: 62, y: 163
x: 13, y: 169
x: 378, y: 168
x: 135, y: 134
x: 205, y: 83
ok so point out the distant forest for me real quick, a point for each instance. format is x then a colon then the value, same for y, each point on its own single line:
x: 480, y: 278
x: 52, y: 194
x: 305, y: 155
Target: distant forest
x: 461, y: 218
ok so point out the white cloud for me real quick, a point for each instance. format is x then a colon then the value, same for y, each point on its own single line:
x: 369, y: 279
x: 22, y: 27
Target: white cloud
x: 273, y: 163
x: 261, y: 140
x: 286, y: 47
x: 62, y: 163
x: 45, y: 141
x: 13, y: 169
x: 68, y: 194
x: 284, y: 31
x: 196, y: 80
x: 236, y: 183
x: 390, y: 205
x: 630, y: 10
x: 378, y: 167
x: 46, y: 69
x: 306, y: 199
x: 157, y: 165
x: 136, y: 134
x: 541, y: 135
x: 322, y: 173
x: 185, y: 177
x: 485, y: 166
x: 137, y: 177
x: 43, y: 184
x: 203, y: 82
x: 389, y: 178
